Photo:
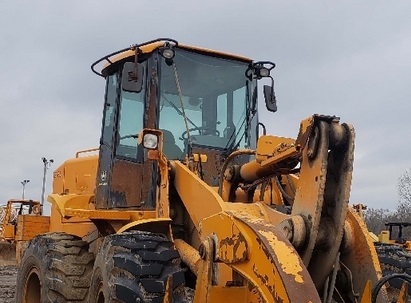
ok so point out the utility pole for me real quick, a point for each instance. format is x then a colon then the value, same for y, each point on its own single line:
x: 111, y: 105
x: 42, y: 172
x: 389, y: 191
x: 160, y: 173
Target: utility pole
x: 24, y: 182
x: 46, y: 164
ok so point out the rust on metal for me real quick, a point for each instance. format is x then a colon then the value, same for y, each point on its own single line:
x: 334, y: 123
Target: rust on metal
x: 273, y: 265
x: 233, y: 248
x: 304, y: 132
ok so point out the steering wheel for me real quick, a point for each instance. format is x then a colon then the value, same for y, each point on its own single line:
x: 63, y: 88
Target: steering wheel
x: 213, y: 131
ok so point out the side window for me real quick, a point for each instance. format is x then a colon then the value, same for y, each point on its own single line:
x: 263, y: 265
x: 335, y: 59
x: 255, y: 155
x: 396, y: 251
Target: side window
x: 108, y: 120
x: 130, y: 124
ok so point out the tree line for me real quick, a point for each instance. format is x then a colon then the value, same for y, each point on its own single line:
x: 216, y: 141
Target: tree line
x: 376, y: 218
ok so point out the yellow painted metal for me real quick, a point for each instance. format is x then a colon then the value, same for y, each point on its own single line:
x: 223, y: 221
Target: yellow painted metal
x: 263, y: 256
x: 82, y: 206
x: 71, y: 206
x: 152, y: 46
x: 366, y: 296
x: 77, y: 175
x: 65, y: 204
x: 8, y: 232
x: 384, y: 236
x: 189, y: 255
x: 200, y: 200
x: 10, y: 224
x: 141, y: 222
x: 309, y: 199
x: 200, y: 158
x: 72, y: 225
x: 98, y: 214
x: 253, y: 239
x: 360, y: 254
x: 271, y: 146
x: 233, y: 294
x: 205, y: 274
x: 29, y: 226
x: 203, y: 201
x: 271, y: 150
x: 244, y: 246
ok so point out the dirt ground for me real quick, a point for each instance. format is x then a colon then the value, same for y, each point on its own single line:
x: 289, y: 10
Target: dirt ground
x: 8, y: 276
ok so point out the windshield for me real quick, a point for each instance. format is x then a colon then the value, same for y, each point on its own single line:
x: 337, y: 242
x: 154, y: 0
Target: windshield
x: 206, y: 101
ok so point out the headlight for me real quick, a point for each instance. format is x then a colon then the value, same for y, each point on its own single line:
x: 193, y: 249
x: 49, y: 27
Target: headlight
x: 167, y: 53
x: 150, y: 141
x: 264, y: 72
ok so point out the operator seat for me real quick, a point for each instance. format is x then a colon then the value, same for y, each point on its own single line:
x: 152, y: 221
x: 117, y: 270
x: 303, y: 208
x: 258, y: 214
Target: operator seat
x: 170, y: 148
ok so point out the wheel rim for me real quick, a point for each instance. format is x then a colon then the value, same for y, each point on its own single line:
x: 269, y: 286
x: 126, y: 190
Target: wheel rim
x: 32, y: 289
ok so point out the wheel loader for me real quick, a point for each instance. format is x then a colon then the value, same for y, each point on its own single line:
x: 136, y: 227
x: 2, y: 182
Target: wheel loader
x: 20, y: 221
x: 394, y: 251
x: 188, y: 199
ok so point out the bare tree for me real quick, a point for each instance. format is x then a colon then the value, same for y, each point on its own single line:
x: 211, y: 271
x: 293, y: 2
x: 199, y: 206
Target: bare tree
x: 376, y: 219
x: 404, y: 194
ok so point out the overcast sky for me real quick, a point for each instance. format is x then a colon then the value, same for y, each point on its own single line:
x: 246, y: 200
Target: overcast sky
x: 346, y: 58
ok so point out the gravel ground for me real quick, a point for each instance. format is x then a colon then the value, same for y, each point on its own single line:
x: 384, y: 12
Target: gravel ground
x: 8, y: 276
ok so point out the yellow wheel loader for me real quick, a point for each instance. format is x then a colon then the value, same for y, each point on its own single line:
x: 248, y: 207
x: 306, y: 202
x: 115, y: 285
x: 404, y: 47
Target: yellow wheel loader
x: 20, y: 221
x: 189, y: 200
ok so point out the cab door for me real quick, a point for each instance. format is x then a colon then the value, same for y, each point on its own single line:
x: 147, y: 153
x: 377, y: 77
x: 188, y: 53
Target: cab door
x: 125, y: 177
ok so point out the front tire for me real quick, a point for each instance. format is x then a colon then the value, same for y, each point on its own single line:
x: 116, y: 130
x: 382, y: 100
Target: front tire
x: 135, y: 267
x: 55, y: 268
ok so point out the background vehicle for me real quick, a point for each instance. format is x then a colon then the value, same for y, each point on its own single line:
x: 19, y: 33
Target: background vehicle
x: 20, y: 221
x: 187, y: 202
x: 394, y: 251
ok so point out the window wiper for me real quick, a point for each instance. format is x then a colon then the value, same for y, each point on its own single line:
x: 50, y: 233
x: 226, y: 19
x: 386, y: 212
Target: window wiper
x: 179, y: 111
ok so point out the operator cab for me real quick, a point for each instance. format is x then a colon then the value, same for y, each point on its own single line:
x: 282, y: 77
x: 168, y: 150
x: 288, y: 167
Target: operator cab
x: 203, y: 101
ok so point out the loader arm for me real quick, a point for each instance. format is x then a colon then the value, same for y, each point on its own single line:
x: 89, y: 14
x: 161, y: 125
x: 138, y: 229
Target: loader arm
x: 315, y: 249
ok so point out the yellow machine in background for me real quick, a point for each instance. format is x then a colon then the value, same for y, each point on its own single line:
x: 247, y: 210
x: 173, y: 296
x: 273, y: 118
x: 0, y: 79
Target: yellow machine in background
x: 394, y: 251
x: 188, y: 202
x: 20, y: 221
x: 394, y: 234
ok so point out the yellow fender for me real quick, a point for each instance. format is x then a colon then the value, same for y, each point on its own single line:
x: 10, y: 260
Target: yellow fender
x: 157, y: 225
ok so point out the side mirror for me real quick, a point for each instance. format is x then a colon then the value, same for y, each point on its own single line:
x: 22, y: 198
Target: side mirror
x: 269, y: 96
x: 132, y: 77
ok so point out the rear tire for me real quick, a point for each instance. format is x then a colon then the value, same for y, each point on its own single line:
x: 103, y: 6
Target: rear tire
x: 394, y: 259
x: 134, y: 267
x: 55, y: 267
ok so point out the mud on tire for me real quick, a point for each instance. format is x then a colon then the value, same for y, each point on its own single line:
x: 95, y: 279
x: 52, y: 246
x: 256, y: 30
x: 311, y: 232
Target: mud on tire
x: 55, y: 267
x: 134, y: 267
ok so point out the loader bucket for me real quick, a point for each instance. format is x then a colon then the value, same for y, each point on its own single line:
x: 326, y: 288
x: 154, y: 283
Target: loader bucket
x: 7, y: 253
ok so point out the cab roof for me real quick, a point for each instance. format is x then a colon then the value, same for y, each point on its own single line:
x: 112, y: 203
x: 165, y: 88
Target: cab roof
x: 149, y: 47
